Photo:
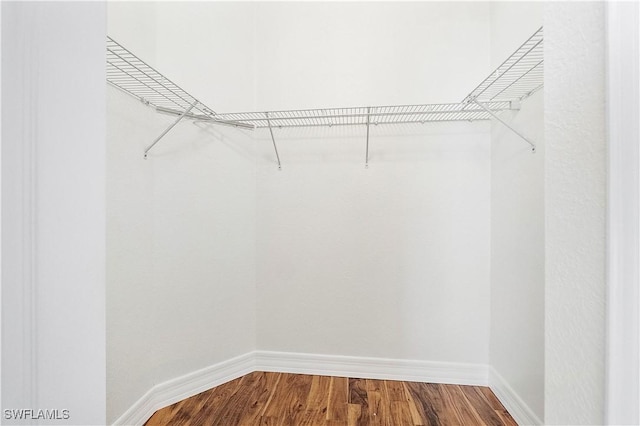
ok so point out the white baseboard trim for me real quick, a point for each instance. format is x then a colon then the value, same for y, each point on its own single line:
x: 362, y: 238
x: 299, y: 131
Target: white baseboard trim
x: 373, y: 368
x: 519, y: 410
x: 172, y: 391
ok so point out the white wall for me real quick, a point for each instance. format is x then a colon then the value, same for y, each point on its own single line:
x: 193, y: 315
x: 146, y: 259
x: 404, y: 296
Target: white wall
x: 326, y: 54
x: 517, y: 225
x: 575, y: 176
x: 53, y: 199
x: 180, y: 225
x: 623, y: 208
x: 137, y: 23
x: 210, y: 47
x: 390, y: 261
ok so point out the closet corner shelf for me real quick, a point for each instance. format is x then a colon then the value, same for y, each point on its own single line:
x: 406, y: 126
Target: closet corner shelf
x: 517, y: 78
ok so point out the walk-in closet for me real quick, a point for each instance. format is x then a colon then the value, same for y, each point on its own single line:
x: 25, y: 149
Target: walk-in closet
x: 324, y: 203
x: 324, y: 213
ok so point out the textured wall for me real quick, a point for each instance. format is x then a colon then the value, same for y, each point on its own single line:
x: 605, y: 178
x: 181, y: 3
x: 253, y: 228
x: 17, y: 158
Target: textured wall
x: 575, y: 176
x: 517, y: 223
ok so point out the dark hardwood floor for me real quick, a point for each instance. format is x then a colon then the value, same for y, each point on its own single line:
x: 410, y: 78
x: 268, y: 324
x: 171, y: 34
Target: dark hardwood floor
x: 295, y: 399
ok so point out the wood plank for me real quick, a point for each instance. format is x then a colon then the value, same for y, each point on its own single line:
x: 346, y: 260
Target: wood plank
x: 354, y: 415
x: 268, y: 421
x: 215, y: 401
x: 395, y: 391
x: 241, y: 401
x: 376, y: 385
x: 263, y: 391
x: 358, y: 397
x: 417, y: 416
x: 506, y: 418
x: 338, y: 399
x: 184, y: 414
x: 376, y: 410
x: 400, y: 413
x: 464, y: 411
x: 442, y: 403
x: 311, y: 418
x: 318, y: 399
x: 164, y: 416
x: 160, y: 417
x: 290, y: 398
x: 273, y: 393
x: 481, y: 406
x: 379, y: 406
x: 315, y: 409
x: 427, y: 412
x: 358, y: 391
x: 497, y: 406
x: 490, y: 397
x: 177, y: 415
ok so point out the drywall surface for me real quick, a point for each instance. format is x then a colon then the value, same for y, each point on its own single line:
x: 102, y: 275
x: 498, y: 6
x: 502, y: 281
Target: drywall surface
x: 575, y: 175
x: 332, y: 54
x: 180, y: 250
x: 136, y: 23
x: 209, y: 48
x: 390, y: 261
x: 511, y: 24
x: 517, y: 223
x: 180, y: 226
x: 53, y: 200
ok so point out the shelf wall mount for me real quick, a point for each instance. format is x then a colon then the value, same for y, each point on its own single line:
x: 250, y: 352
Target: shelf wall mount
x: 179, y: 119
x: 129, y: 73
x: 366, y: 161
x: 275, y: 147
x: 504, y: 123
x: 518, y: 77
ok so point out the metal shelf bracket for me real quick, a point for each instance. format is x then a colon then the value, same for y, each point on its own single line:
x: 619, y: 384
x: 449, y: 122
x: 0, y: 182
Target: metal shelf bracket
x: 266, y: 114
x: 179, y: 119
x: 366, y: 163
x: 504, y: 123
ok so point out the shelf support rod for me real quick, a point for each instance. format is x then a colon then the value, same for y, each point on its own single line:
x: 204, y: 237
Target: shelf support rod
x: 366, y: 161
x: 273, y: 140
x: 183, y: 115
x: 491, y: 113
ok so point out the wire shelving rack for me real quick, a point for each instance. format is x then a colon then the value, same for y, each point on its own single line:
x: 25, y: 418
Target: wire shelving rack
x: 518, y: 77
x: 132, y: 75
x: 374, y: 115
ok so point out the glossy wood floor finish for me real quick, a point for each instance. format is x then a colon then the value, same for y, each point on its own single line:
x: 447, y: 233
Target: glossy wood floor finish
x: 295, y: 399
